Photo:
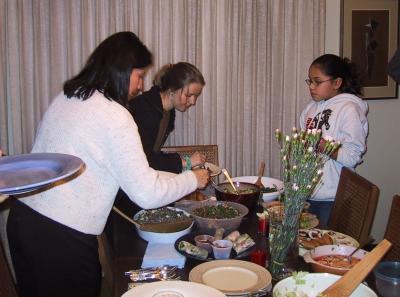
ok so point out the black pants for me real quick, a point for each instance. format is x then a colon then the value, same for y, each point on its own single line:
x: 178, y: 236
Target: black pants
x: 50, y: 259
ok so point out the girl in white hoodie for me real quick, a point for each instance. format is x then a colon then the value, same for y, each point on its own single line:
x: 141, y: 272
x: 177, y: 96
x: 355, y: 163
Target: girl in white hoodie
x: 341, y: 115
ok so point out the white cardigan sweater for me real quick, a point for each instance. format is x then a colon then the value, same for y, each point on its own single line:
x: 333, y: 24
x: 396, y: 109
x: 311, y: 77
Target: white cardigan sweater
x: 104, y: 135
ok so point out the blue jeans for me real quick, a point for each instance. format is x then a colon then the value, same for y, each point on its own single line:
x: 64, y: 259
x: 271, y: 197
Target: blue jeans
x: 322, y: 209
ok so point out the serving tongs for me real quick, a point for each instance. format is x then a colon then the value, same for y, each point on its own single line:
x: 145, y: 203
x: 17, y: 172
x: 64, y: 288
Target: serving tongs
x: 157, y: 227
x: 228, y: 177
x: 350, y: 281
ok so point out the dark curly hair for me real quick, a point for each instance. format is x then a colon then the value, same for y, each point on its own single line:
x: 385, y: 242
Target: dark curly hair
x: 335, y: 67
x: 109, y: 68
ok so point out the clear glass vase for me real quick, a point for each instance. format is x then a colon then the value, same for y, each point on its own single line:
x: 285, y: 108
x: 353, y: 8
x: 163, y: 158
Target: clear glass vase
x: 283, y: 242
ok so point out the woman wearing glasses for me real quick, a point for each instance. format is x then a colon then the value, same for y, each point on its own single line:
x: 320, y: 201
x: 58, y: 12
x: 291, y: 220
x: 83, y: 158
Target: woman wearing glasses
x: 337, y: 110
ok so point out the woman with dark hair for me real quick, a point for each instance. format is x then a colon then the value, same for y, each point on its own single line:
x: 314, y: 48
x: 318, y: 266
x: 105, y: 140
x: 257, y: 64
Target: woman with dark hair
x: 337, y: 110
x: 52, y: 233
x: 175, y: 87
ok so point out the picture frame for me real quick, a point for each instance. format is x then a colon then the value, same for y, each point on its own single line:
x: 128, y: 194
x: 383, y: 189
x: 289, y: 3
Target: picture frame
x: 369, y: 38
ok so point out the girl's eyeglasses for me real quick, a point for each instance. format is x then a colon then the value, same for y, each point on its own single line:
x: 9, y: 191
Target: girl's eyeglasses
x: 317, y: 82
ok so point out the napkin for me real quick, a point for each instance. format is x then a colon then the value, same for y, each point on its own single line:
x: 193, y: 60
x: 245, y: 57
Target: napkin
x: 162, y: 254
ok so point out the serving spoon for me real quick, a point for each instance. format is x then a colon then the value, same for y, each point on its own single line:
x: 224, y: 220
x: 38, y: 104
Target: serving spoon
x: 349, y: 257
x: 229, y: 180
x: 258, y: 182
x: 345, y: 285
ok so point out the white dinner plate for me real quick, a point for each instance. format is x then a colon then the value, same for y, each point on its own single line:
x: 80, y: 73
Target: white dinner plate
x: 232, y: 277
x: 173, y: 289
x: 267, y: 182
x: 28, y: 172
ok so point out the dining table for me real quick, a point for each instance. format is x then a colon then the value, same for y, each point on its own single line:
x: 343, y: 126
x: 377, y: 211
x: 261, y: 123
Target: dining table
x: 128, y: 250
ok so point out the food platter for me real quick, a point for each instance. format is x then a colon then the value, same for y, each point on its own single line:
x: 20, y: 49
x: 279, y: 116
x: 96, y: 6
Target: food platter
x: 173, y: 289
x: 311, y: 238
x: 29, y: 172
x: 190, y: 238
x: 311, y: 223
x: 307, y: 219
x: 232, y: 277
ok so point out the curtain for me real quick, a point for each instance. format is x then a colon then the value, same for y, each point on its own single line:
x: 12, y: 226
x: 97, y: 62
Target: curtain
x: 254, y: 55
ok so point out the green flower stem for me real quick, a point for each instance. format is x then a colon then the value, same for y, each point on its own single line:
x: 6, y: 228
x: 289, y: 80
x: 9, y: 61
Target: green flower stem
x: 302, y: 165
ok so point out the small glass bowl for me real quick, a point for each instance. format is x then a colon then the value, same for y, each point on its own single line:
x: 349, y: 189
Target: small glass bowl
x: 222, y: 248
x: 204, y: 242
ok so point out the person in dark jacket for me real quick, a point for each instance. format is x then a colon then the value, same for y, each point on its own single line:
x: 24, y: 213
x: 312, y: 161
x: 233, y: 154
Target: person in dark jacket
x: 175, y: 87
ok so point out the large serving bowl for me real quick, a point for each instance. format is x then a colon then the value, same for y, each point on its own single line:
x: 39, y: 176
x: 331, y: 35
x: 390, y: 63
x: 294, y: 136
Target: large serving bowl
x: 314, y: 284
x: 168, y: 233
x: 332, y: 250
x: 268, y: 182
x: 248, y: 194
x: 209, y: 225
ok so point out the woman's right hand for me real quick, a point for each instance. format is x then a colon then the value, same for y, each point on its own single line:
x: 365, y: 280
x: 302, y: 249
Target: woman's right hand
x: 203, y: 177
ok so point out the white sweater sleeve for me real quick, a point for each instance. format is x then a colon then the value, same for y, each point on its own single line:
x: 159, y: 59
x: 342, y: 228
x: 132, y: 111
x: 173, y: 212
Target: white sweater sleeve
x: 129, y: 167
x: 353, y: 134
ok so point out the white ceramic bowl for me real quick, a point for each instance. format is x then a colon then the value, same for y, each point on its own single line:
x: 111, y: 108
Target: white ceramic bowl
x: 315, y: 283
x: 267, y: 182
x: 162, y: 237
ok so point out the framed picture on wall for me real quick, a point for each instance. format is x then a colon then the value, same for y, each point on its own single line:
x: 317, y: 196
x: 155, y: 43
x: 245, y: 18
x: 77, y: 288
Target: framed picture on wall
x: 369, y: 38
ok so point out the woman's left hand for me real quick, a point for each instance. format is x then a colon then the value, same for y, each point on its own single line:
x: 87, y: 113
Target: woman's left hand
x: 197, y: 159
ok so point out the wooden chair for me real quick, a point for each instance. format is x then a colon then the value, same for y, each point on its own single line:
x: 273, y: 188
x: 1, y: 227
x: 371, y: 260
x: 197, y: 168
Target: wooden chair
x: 210, y: 151
x: 354, y: 208
x: 393, y: 230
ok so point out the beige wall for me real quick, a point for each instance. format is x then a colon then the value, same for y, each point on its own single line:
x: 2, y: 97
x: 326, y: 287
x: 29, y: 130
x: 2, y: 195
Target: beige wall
x: 381, y: 162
